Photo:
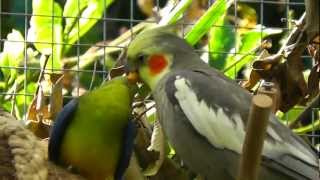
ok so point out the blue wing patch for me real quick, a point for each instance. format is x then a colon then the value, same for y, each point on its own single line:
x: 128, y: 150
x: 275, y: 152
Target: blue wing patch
x: 58, y: 130
x: 127, y: 149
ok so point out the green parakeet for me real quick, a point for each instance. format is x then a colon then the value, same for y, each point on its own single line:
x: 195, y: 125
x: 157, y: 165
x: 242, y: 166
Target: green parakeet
x: 94, y: 133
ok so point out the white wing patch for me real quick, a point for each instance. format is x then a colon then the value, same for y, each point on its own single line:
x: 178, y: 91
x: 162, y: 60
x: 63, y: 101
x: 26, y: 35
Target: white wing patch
x: 215, y: 126
x: 221, y: 132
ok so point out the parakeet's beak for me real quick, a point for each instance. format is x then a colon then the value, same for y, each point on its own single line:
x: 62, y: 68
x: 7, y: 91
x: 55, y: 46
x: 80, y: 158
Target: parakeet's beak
x: 133, y: 77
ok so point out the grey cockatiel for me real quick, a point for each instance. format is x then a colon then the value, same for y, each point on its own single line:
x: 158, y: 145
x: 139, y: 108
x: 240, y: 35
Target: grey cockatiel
x: 204, y: 114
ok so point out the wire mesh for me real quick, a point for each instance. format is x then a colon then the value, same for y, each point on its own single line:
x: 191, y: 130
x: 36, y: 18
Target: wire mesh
x: 122, y: 16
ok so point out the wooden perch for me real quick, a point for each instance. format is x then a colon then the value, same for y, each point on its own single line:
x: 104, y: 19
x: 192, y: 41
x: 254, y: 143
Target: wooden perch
x: 24, y: 156
x: 255, y: 133
x: 269, y: 89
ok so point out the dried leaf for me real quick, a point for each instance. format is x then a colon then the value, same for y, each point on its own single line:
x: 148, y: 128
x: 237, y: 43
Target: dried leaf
x: 116, y: 71
x: 254, y: 76
x: 196, y: 10
x: 247, y: 17
x: 288, y: 75
x: 43, y: 109
x: 253, y: 80
x: 158, y: 145
x: 267, y: 63
x: 146, y: 6
x: 56, y: 99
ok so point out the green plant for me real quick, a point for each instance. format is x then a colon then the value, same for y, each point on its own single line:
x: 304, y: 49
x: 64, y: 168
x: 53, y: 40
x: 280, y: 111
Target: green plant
x: 49, y: 39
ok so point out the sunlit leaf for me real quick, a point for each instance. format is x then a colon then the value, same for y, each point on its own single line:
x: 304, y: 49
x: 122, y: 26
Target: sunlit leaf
x: 157, y: 145
x: 91, y: 13
x: 2, y: 85
x: 245, y: 46
x: 71, y: 10
x: 12, y: 55
x: 176, y: 13
x: 46, y: 30
x: 203, y: 25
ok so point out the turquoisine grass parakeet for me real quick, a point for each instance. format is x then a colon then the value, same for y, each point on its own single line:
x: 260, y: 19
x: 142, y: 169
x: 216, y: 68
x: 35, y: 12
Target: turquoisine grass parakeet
x: 94, y: 133
x: 204, y: 114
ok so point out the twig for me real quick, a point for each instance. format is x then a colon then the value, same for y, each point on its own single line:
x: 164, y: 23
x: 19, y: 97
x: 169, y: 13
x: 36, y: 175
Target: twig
x: 293, y: 35
x: 93, y: 75
x: 13, y: 100
x: 144, y: 112
x: 42, y: 72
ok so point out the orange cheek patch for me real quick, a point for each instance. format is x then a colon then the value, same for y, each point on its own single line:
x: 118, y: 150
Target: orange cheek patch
x: 157, y: 63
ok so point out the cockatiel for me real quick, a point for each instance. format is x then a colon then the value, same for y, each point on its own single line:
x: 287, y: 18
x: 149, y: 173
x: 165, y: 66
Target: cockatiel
x: 204, y: 114
x: 94, y: 133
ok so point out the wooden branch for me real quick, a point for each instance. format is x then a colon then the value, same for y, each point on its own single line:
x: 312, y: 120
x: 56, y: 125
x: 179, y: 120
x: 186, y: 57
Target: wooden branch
x: 312, y: 18
x: 255, y: 133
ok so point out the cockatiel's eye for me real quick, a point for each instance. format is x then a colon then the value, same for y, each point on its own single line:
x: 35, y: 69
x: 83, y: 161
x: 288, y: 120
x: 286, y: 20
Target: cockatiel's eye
x: 141, y: 58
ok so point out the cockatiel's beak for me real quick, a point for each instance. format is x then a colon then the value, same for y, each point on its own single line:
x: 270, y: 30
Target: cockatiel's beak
x: 133, y: 77
x: 131, y: 72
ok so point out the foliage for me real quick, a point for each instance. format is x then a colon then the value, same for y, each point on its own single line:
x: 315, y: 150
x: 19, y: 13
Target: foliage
x: 51, y: 39
x: 243, y: 51
x: 176, y: 13
x: 212, y: 15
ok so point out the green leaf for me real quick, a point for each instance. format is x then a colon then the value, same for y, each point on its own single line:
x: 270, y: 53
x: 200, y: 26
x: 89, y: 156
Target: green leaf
x: 18, y: 85
x: 92, y: 12
x: 46, y: 30
x: 23, y: 100
x: 6, y: 105
x: 5, y: 72
x: 71, y: 10
x: 152, y: 117
x: 2, y: 85
x: 12, y: 55
x: 176, y: 13
x: 290, y: 115
x: 222, y: 38
x: 203, y: 25
x: 246, y: 45
x: 311, y: 127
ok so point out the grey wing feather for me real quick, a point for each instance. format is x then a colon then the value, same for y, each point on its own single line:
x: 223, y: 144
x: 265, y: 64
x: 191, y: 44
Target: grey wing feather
x: 227, y: 94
